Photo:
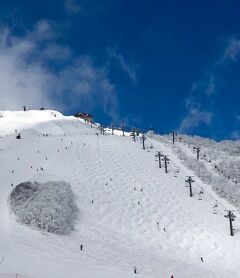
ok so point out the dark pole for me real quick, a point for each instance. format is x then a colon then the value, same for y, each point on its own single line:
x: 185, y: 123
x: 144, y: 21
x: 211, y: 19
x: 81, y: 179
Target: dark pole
x: 143, y: 140
x: 102, y: 130
x: 112, y: 129
x: 198, y: 151
x: 190, y: 180
x: 133, y: 134
x: 190, y: 186
x: 122, y: 126
x: 230, y: 222
x: 231, y: 218
x: 165, y: 159
x: 165, y: 164
x: 159, y: 159
x: 173, y: 136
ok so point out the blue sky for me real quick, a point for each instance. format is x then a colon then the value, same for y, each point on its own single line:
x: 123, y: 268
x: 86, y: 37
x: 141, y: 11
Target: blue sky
x: 166, y: 64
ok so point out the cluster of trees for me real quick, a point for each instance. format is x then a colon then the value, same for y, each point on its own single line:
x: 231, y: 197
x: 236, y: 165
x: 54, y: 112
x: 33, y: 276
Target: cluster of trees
x: 222, y: 169
x: 225, y: 175
x: 224, y: 156
x: 46, y: 206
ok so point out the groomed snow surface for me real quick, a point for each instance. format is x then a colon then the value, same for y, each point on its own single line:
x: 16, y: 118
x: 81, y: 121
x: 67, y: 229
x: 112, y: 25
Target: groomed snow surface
x: 130, y: 211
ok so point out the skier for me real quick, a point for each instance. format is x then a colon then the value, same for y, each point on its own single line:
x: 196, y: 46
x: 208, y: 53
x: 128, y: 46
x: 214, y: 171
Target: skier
x: 164, y: 229
x: 81, y: 247
x: 201, y: 259
x: 92, y: 201
x: 172, y: 276
x: 135, y: 269
x: 158, y: 223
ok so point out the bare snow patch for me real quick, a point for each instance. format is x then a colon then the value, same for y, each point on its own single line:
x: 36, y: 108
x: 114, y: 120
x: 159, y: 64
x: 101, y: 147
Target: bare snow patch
x: 46, y: 206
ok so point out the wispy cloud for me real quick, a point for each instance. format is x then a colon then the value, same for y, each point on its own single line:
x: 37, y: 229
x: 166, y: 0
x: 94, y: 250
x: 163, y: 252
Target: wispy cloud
x: 232, y: 50
x: 29, y: 75
x: 204, y: 91
x: 129, y: 68
x: 194, y: 118
x: 72, y: 7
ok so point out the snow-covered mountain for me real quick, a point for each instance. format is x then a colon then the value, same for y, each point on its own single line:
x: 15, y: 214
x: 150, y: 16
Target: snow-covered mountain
x: 130, y: 212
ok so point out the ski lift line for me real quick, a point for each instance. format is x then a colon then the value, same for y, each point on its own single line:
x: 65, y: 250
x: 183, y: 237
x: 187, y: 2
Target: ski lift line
x: 207, y: 191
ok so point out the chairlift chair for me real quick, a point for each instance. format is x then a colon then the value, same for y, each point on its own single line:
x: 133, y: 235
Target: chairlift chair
x: 200, y: 194
x: 215, y: 211
x: 215, y: 207
x: 199, y: 197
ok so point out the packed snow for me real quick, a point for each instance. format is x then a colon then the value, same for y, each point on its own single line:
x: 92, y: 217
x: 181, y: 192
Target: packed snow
x: 131, y: 213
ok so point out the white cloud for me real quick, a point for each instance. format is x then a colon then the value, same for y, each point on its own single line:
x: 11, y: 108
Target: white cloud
x: 72, y: 7
x: 194, y: 118
x: 232, y: 50
x: 208, y: 87
x: 129, y: 69
x: 28, y: 78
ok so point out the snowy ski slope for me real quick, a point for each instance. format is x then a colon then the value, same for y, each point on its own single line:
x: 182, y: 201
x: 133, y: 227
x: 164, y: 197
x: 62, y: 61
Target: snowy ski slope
x: 130, y: 196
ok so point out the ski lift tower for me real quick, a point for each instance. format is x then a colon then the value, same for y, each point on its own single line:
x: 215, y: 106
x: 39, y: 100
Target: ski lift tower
x: 166, y: 162
x: 174, y: 134
x: 143, y: 138
x: 190, y: 180
x: 198, y: 151
x: 230, y: 215
x: 158, y: 157
x: 122, y: 127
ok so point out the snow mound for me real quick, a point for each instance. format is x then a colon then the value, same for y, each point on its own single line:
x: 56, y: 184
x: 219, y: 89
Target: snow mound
x: 46, y: 206
x: 10, y: 121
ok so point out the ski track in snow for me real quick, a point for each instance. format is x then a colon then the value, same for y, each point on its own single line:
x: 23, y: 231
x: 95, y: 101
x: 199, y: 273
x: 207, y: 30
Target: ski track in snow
x: 116, y: 231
